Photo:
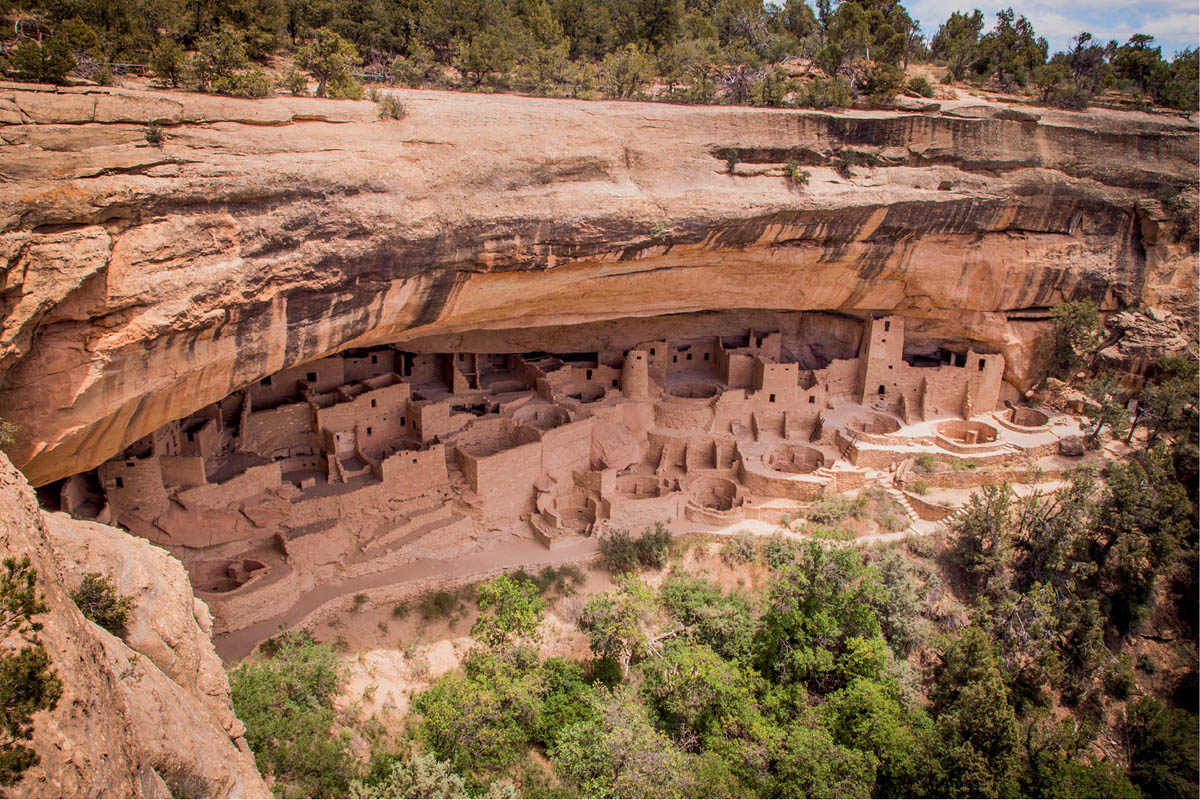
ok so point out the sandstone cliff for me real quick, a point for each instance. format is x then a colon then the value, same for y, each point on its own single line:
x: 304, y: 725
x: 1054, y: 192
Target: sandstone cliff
x: 146, y: 717
x: 142, y: 283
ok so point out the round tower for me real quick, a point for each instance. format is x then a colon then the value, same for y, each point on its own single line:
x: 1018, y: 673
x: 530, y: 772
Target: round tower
x: 635, y: 375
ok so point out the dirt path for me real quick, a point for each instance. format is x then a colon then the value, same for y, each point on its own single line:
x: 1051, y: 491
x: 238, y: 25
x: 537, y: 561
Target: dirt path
x: 236, y: 645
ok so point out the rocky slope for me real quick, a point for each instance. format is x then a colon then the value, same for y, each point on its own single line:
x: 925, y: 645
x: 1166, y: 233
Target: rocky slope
x: 141, y: 283
x: 149, y: 716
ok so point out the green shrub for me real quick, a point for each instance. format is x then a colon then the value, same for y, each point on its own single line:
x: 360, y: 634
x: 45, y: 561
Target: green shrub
x: 619, y: 552
x: 832, y: 93
x: 654, y: 546
x: 391, y: 107
x: 1119, y: 680
x: 345, y: 87
x: 439, y: 605
x: 834, y: 533
x: 296, y: 82
x: 400, y: 610
x: 360, y: 600
x: 926, y: 462
x: 778, y: 551
x: 97, y: 598
x: 622, y: 553
x: 251, y: 83
x: 920, y: 85
x: 796, y: 175
x: 154, y: 134
x: 919, y: 487
x: 741, y: 548
x: 831, y: 508
x: 731, y: 159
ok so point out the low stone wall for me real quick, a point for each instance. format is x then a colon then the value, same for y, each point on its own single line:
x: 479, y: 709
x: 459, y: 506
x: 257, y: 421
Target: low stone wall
x: 257, y: 600
x: 927, y: 510
x: 971, y: 478
x: 253, y: 481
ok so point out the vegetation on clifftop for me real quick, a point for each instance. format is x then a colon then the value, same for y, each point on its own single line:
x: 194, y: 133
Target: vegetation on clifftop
x: 743, y: 52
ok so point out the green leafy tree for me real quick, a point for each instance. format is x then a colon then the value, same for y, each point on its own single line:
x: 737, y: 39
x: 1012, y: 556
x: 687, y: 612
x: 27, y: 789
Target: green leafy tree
x: 167, y: 62
x: 619, y: 753
x: 509, y: 610
x: 421, y: 775
x: 286, y: 703
x: 1075, y: 332
x: 28, y: 681
x: 868, y: 715
x: 1136, y: 61
x: 618, y: 622
x: 1013, y: 49
x: 623, y: 73
x: 219, y: 55
x: 1109, y: 410
x: 983, y: 537
x: 329, y: 58
x: 819, y: 626
x: 481, y: 719
x: 48, y: 61
x: 724, y: 622
x: 1163, y: 749
x: 976, y: 727
x: 491, y: 54
x: 812, y: 764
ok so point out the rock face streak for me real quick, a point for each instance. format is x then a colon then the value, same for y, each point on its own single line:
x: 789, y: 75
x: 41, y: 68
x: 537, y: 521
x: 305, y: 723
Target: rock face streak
x: 142, y: 283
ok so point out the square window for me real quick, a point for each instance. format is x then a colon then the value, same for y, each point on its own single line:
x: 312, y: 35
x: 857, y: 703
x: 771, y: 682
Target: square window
x: 982, y: 364
x: 615, y: 383
x: 589, y: 374
x: 651, y: 351
x: 120, y: 483
x: 689, y: 358
x: 402, y: 420
x: 265, y: 381
x: 706, y: 356
x: 882, y: 389
x: 374, y: 359
x: 311, y: 377
x: 812, y: 399
x: 373, y: 402
x: 771, y: 399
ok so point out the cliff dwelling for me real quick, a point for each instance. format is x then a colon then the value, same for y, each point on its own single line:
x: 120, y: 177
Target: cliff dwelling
x: 371, y: 458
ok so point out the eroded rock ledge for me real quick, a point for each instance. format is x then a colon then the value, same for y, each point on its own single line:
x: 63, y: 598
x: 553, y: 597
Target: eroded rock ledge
x: 143, y: 283
x: 147, y: 716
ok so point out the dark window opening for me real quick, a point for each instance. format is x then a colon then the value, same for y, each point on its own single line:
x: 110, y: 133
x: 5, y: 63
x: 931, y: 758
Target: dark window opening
x: 368, y: 431
x: 982, y: 364
x: 706, y: 356
x: 887, y: 326
x: 651, y: 351
x: 374, y: 359
x: 191, y: 436
x: 402, y: 420
x: 771, y: 399
x: 311, y: 377
x: 373, y: 402
x: 689, y: 358
x: 589, y: 374
x: 812, y: 399
x: 120, y: 483
x: 675, y: 359
x: 614, y: 383
x: 265, y: 381
x: 882, y: 389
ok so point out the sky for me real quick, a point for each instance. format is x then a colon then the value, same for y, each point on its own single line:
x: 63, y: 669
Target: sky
x: 1174, y: 24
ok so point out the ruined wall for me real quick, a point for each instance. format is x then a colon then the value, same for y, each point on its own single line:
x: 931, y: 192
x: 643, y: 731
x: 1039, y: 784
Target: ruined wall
x: 411, y: 472
x: 229, y: 494
x: 279, y: 430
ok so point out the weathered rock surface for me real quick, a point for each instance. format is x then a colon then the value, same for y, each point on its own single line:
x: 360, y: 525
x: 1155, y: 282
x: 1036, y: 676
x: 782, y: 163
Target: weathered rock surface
x: 142, y: 283
x: 146, y: 717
